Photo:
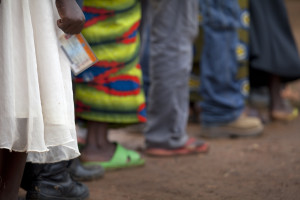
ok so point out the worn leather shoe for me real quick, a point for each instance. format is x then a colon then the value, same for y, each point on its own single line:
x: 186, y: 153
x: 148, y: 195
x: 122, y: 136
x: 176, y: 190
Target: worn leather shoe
x: 52, y: 182
x: 82, y: 173
x: 244, y: 126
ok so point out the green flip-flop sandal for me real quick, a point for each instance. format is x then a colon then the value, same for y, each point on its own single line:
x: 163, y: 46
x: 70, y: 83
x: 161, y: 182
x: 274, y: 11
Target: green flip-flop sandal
x: 122, y: 158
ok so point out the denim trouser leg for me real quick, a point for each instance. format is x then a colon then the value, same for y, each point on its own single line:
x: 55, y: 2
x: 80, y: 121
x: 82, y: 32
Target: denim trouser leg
x: 144, y: 62
x: 145, y: 45
x: 223, y: 100
x: 174, y: 26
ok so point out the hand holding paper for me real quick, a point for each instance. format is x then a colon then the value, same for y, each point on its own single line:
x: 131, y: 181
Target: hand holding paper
x: 72, y: 19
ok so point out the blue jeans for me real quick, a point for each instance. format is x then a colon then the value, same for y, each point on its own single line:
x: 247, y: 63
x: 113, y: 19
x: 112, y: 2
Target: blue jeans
x: 223, y: 98
x: 145, y: 29
x: 144, y: 62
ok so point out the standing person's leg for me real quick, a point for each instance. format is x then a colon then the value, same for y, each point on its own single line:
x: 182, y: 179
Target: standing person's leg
x: 100, y: 151
x: 110, y: 92
x: 144, y: 47
x: 223, y: 99
x: 11, y: 171
x: 280, y: 108
x: 98, y: 147
x: 273, y: 62
x: 52, y: 181
x: 144, y: 61
x: 173, y: 28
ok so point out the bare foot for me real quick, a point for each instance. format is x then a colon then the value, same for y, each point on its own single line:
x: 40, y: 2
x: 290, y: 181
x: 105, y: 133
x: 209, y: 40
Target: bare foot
x: 283, y: 111
x: 98, y: 147
x: 92, y: 153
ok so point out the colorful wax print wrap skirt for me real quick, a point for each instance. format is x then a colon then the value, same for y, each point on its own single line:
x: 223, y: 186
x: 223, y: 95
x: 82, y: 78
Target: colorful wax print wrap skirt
x: 37, y: 109
x: 111, y: 90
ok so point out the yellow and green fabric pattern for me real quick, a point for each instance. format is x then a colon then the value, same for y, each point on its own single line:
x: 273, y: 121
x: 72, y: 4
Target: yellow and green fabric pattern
x: 111, y: 90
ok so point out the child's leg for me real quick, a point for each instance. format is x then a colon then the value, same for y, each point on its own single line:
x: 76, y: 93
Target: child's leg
x: 11, y: 171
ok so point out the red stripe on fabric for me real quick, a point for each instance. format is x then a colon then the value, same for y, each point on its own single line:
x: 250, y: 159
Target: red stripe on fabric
x: 132, y: 29
x: 108, y: 64
x: 125, y: 78
x: 95, y: 20
x: 80, y: 107
x: 99, y: 79
x: 115, y: 92
x: 97, y: 10
x: 79, y: 80
x: 142, y: 107
x: 124, y: 38
x: 142, y: 118
x: 127, y: 40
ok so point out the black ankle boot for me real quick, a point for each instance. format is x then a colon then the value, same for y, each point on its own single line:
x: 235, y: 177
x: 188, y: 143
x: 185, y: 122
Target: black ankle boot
x: 81, y: 173
x: 52, y: 182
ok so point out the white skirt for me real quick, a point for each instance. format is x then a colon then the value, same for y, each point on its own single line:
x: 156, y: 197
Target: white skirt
x: 36, y: 99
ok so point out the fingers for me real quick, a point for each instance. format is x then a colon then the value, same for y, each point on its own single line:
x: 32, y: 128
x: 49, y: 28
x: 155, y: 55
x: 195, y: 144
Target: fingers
x: 70, y: 26
x: 64, y: 26
x: 72, y: 19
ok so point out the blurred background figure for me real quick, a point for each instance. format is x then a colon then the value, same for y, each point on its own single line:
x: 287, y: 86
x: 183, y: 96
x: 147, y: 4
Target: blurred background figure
x: 110, y: 93
x: 172, y: 28
x: 274, y: 58
x: 224, y: 86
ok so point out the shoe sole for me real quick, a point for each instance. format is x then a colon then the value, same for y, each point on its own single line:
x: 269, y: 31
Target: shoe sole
x: 227, y: 132
x: 88, y: 178
x: 39, y: 196
x: 180, y: 152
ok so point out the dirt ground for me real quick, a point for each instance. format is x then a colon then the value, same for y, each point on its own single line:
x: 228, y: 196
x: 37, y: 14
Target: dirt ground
x: 263, y: 168
x: 267, y: 168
